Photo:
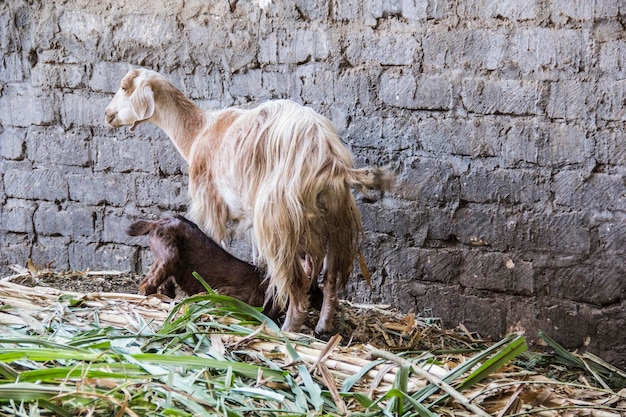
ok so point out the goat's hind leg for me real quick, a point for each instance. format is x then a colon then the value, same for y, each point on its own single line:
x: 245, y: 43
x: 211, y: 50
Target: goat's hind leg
x: 294, y: 318
x: 325, y: 327
x: 298, y: 301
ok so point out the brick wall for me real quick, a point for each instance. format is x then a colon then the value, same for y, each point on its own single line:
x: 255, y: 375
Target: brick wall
x: 505, y: 121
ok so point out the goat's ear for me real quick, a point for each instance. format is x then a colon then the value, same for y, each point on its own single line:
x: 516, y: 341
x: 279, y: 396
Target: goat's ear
x: 142, y: 102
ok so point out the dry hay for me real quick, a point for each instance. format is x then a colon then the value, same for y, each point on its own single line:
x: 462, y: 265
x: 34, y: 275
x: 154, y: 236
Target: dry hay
x: 30, y: 297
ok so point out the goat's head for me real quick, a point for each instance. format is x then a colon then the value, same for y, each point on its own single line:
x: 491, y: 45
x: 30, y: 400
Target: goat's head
x: 133, y: 102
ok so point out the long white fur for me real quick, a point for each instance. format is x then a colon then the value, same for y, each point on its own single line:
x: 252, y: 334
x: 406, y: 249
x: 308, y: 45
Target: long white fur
x: 278, y: 172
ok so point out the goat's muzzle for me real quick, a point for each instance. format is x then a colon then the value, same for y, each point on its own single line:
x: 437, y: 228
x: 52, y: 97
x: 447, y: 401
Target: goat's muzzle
x: 109, y: 117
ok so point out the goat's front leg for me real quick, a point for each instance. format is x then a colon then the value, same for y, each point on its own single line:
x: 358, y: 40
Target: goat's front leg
x: 153, y: 280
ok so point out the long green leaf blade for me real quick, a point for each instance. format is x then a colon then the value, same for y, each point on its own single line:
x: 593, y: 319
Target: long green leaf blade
x: 511, y: 351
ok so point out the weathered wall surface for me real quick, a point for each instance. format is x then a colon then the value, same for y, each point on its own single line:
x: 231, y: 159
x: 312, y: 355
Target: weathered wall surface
x: 505, y: 121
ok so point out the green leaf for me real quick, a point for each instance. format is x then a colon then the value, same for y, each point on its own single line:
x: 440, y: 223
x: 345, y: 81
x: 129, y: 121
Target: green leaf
x: 245, y: 369
x: 350, y: 381
x: 26, y: 391
x: 511, y: 351
x: 421, y: 395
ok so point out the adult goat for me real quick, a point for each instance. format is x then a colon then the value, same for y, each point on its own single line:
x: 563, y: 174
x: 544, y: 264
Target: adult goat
x: 278, y: 171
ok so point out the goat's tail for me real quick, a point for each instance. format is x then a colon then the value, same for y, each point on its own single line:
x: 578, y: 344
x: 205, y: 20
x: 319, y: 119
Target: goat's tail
x: 141, y: 227
x: 370, y: 179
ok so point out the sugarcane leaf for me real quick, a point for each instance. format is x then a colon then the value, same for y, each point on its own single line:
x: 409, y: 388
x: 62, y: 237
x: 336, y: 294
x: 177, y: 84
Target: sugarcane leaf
x: 508, y: 353
x: 248, y: 370
x: 27, y: 391
x: 421, y: 395
x: 349, y: 382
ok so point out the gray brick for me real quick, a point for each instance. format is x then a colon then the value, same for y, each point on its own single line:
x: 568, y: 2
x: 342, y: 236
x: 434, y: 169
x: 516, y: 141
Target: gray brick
x: 3, y: 195
x: 401, y: 89
x: 58, y: 76
x: 557, y: 317
x: 609, y: 325
x: 11, y: 67
x: 480, y: 225
x: 485, y: 313
x: 554, y: 144
x: 52, y: 252
x: 243, y: 44
x: 167, y: 193
x: 611, y: 96
x: 521, y: 317
x: 497, y: 272
x: 98, y: 188
x: 15, y: 249
x: 74, y: 220
x: 278, y: 84
x: 613, y: 56
x: 437, y: 265
x: 294, y: 45
x: 23, y: 108
x: 132, y: 31
x: 597, y: 192
x: 439, y: 299
x: 571, y: 100
x: 17, y: 216
x: 356, y: 88
x: 57, y: 146
x: 12, y: 143
x: 429, y: 181
x: 316, y: 10
x: 510, y: 9
x: 390, y: 217
x: 80, y: 33
x: 366, y: 131
x: 575, y: 283
x: 38, y: 184
x: 477, y: 137
x: 463, y: 49
x: 564, y: 233
x: 78, y: 110
x: 505, y: 186
x: 106, y: 76
x: 501, y: 97
x: 411, y: 10
x: 247, y: 84
x: 345, y: 10
x: 316, y: 85
x: 114, y: 230
x: 124, y: 155
x: 169, y: 161
x: 101, y: 257
x: 565, y: 144
x: 563, y: 10
x: 386, y: 48
x: 612, y: 237
x: 546, y: 52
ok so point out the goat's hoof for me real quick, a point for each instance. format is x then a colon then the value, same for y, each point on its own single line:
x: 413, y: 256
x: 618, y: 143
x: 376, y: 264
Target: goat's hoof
x: 146, y: 290
x: 325, y: 335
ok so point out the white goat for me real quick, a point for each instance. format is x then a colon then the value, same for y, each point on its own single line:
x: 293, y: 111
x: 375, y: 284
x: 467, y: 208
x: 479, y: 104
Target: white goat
x: 278, y: 171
